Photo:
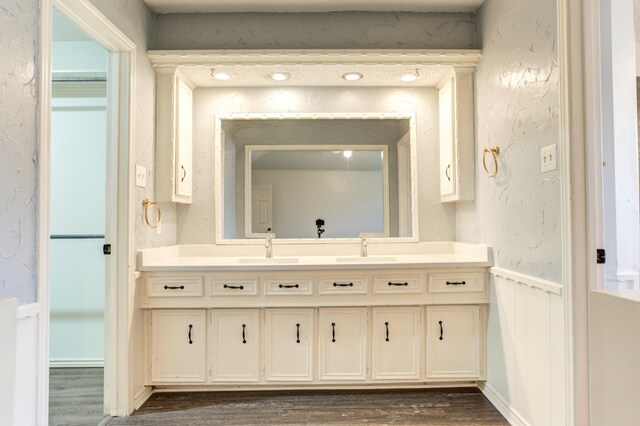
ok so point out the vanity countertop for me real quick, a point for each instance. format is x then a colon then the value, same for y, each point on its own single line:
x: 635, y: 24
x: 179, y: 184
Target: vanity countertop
x: 205, y: 258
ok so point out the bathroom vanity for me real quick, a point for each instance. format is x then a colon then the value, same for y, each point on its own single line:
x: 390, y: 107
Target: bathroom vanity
x: 411, y: 318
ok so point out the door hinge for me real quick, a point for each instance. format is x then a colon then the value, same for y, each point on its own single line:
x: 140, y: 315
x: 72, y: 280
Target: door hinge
x: 601, y: 256
x: 106, y: 249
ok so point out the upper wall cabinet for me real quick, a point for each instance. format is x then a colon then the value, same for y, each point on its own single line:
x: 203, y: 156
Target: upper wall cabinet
x: 457, y: 136
x: 174, y: 124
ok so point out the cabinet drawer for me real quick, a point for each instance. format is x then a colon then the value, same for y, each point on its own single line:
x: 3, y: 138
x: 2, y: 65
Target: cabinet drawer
x: 288, y: 286
x: 174, y: 287
x: 234, y: 287
x: 397, y: 284
x: 457, y: 282
x: 344, y: 285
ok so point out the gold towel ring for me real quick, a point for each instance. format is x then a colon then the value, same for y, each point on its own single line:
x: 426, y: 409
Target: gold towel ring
x: 494, y: 151
x: 146, y: 203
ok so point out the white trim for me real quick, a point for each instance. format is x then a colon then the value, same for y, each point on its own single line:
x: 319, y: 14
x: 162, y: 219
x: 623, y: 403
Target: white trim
x: 28, y: 310
x: 87, y: 17
x: 528, y: 280
x: 412, y: 57
x: 219, y: 182
x: 141, y: 397
x: 507, y: 411
x: 76, y: 363
x: 248, y: 219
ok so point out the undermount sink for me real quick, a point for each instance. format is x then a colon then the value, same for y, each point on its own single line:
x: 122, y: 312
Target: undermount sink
x: 267, y: 260
x: 367, y: 259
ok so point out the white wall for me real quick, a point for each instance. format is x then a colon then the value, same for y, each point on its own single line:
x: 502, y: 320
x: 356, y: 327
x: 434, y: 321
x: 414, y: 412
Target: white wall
x: 350, y: 202
x: 341, y: 30
x: 437, y: 220
x: 614, y: 348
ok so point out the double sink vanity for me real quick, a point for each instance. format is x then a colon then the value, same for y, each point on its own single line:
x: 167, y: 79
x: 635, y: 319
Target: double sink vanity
x: 406, y: 317
x: 270, y: 286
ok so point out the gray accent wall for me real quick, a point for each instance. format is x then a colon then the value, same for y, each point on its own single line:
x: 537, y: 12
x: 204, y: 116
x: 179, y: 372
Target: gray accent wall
x: 518, y: 213
x: 18, y: 148
x: 338, y: 30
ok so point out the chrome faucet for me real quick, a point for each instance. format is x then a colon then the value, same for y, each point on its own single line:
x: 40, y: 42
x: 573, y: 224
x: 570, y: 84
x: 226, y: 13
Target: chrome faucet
x: 269, y: 246
x: 364, y: 245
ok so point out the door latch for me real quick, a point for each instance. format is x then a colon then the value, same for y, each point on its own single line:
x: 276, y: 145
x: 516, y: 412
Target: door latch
x: 601, y: 256
x: 106, y: 249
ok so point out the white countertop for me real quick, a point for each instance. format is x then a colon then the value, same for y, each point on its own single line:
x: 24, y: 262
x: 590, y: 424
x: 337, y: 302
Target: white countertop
x: 204, y: 258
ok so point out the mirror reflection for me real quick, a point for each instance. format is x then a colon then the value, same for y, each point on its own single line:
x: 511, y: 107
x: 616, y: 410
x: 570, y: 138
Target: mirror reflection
x: 314, y: 178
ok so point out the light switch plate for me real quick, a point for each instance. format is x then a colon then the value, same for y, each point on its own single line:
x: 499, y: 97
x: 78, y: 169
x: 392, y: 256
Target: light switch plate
x: 141, y: 176
x: 548, y: 159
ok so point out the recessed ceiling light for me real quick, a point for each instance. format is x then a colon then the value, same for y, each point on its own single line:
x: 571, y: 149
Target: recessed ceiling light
x: 347, y: 154
x: 222, y: 76
x: 352, y: 76
x: 408, y: 78
x: 279, y: 76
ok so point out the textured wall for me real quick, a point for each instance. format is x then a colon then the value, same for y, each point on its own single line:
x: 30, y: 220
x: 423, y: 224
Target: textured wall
x: 195, y: 222
x: 344, y: 30
x: 18, y: 148
x: 134, y: 19
x: 518, y: 213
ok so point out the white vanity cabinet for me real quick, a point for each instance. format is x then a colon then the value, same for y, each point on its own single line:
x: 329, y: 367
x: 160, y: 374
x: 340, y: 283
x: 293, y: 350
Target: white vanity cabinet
x: 234, y: 337
x: 457, y: 136
x: 360, y: 327
x: 174, y: 138
x: 454, y: 342
x: 343, y: 343
x: 289, y: 345
x: 397, y: 334
x: 178, y: 346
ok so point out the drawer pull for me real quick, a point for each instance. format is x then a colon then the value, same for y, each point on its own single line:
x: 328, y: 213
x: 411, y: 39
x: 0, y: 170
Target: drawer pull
x: 441, y: 330
x: 386, y: 324
x: 244, y: 340
x: 190, y: 327
x: 168, y: 287
x: 343, y: 284
x: 398, y: 284
x: 456, y: 282
x: 288, y: 286
x: 333, y: 332
x: 297, y: 333
x: 235, y: 287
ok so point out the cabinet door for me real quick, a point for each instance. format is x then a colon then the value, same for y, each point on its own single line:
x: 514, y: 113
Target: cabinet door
x: 453, y: 342
x: 235, y: 345
x: 396, y: 343
x: 184, y: 143
x: 289, y: 335
x: 447, y: 137
x: 342, y: 344
x: 178, y: 347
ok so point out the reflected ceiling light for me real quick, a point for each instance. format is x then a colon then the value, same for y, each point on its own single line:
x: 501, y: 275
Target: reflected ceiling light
x: 347, y: 154
x: 352, y: 76
x: 222, y: 76
x: 279, y: 76
x: 408, y: 78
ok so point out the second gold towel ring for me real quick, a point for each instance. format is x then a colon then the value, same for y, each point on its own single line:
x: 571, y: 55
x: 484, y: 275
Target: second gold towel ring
x: 494, y: 151
x: 146, y: 203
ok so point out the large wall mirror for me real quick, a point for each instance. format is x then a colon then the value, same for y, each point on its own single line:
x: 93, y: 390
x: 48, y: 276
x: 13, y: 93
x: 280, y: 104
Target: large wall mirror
x: 315, y: 177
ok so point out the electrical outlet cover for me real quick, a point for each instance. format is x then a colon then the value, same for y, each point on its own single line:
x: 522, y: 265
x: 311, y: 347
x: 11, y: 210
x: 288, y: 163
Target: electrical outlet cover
x: 548, y: 159
x: 141, y: 176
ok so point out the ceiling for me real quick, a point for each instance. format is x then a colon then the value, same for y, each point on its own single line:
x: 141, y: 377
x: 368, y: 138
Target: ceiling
x: 315, y: 75
x: 195, y: 6
x: 65, y: 30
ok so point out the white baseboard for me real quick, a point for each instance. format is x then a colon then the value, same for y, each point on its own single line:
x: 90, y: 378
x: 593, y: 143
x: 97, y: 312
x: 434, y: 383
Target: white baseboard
x: 505, y: 409
x: 141, y: 397
x: 76, y: 363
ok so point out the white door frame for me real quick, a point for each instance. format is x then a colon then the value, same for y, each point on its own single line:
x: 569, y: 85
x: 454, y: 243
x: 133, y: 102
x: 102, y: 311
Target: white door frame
x: 121, y: 137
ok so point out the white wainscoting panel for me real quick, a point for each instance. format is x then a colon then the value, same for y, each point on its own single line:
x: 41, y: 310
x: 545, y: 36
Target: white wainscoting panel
x: 27, y: 368
x: 525, y: 349
x: 8, y: 315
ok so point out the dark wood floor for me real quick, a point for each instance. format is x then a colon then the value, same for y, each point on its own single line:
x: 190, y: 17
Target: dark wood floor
x: 407, y: 407
x: 76, y: 396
